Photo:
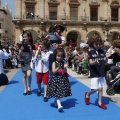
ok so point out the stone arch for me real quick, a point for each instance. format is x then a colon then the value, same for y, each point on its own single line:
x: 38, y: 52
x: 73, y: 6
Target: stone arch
x: 91, y: 33
x: 73, y: 35
x: 114, y: 35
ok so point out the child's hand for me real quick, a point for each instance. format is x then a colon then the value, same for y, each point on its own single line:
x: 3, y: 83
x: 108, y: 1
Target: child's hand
x: 65, y: 65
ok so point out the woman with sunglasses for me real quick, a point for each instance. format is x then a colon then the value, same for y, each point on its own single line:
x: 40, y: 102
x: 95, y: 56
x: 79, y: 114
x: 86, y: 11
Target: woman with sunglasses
x: 96, y: 59
x: 26, y: 54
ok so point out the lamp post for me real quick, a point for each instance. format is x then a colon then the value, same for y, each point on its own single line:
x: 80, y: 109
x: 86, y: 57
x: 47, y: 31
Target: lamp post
x: 107, y: 31
x: 42, y: 28
x: 31, y: 16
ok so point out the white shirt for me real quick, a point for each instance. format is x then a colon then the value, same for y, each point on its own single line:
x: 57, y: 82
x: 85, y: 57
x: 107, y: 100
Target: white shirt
x: 3, y: 55
x: 14, y: 62
x: 42, y: 63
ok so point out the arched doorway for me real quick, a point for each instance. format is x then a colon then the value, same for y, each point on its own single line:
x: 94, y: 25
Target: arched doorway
x: 115, y: 36
x: 73, y: 36
x: 93, y: 33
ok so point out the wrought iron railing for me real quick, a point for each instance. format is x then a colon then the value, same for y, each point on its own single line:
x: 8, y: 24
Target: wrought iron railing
x: 70, y: 18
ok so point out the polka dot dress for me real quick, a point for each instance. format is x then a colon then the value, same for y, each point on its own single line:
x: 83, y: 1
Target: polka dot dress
x: 59, y: 86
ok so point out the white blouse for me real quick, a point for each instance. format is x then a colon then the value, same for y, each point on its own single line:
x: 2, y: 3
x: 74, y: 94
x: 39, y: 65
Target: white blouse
x: 42, y: 63
x: 3, y: 55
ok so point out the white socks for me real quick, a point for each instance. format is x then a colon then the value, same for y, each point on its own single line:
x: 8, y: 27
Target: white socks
x: 59, y: 104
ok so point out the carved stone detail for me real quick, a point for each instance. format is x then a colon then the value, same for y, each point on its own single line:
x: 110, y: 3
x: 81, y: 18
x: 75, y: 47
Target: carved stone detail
x: 74, y: 3
x: 94, y: 3
x: 53, y: 3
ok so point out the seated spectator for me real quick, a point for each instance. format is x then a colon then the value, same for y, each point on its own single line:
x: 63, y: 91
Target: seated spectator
x: 75, y: 57
x: 72, y: 43
x: 107, y: 48
x: 69, y: 56
x: 114, y: 70
x: 14, y: 62
x: 85, y: 60
x: 116, y: 58
x: 79, y: 62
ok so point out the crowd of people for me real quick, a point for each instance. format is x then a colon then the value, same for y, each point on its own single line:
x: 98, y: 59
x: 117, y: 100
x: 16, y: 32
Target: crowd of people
x: 13, y: 52
x: 50, y: 57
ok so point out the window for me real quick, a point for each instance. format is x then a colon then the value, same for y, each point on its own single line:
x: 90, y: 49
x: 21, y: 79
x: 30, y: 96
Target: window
x: 93, y: 14
x: 114, y: 14
x: 30, y: 9
x: 53, y: 13
x: 73, y: 13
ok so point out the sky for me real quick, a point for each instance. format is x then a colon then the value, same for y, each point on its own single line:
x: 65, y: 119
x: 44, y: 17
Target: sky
x: 11, y: 5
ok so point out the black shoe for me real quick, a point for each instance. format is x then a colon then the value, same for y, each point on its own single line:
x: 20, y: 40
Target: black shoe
x: 25, y: 93
x: 29, y: 92
x: 45, y: 99
x: 39, y: 93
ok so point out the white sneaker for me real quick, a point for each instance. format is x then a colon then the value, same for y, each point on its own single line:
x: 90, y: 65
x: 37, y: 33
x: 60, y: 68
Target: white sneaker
x: 60, y: 108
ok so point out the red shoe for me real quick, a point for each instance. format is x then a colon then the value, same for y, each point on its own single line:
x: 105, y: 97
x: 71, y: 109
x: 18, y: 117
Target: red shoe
x: 87, y: 100
x: 102, y: 106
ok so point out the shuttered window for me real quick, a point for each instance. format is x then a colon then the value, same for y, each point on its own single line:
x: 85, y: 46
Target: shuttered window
x: 53, y: 13
x: 114, y: 14
x: 30, y: 9
x: 73, y: 13
x: 94, y: 14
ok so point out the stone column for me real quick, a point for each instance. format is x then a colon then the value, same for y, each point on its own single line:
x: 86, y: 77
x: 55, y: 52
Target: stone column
x: 67, y: 8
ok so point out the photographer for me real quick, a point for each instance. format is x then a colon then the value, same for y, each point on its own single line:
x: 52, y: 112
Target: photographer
x: 3, y: 56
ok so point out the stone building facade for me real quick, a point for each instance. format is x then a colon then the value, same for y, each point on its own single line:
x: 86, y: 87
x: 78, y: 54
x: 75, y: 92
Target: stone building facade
x: 6, y: 25
x: 81, y: 18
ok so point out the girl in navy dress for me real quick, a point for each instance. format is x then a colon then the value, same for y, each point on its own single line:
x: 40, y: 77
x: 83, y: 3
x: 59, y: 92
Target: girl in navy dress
x: 26, y: 53
x: 59, y: 86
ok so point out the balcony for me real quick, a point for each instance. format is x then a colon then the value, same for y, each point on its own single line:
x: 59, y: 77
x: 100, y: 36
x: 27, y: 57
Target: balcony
x: 69, y: 18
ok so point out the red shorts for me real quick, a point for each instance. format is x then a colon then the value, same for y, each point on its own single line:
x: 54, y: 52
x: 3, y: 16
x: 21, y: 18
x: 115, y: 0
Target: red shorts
x: 42, y: 77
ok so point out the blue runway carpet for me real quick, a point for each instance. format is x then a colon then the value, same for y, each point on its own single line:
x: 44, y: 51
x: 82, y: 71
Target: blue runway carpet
x: 15, y: 106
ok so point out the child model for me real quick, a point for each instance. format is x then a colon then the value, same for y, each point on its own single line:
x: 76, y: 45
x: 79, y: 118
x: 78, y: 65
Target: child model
x: 42, y: 66
x: 26, y: 53
x: 59, y: 85
x: 96, y: 58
